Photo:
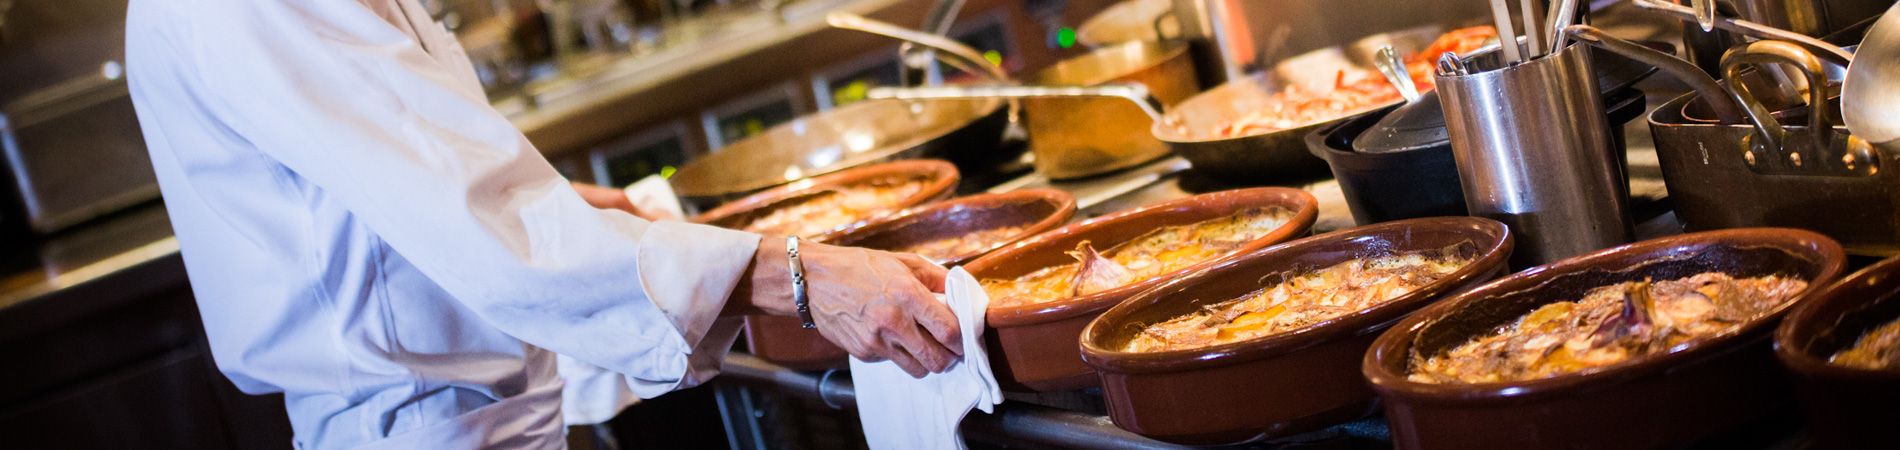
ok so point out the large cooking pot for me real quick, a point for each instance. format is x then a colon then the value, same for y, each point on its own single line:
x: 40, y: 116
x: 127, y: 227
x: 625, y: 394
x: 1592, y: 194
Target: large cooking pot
x: 1072, y: 136
x: 1754, y: 171
x: 1075, y: 137
x: 966, y: 132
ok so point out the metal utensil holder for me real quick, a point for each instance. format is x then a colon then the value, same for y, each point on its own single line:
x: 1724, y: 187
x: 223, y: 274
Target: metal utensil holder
x: 1534, y: 150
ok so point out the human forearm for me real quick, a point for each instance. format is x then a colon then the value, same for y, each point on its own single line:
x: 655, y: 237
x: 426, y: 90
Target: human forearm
x: 766, y: 286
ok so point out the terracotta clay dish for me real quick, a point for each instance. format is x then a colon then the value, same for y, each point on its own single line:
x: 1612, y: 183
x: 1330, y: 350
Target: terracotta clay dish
x: 1846, y: 407
x: 1667, y: 394
x: 955, y: 231
x: 1033, y: 344
x: 1304, y: 375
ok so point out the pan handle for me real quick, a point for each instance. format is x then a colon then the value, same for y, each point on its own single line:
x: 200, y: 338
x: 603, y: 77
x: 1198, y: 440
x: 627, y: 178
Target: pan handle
x: 1163, y: 18
x: 1764, y: 52
x: 965, y: 58
x: 1705, y: 86
x: 1132, y: 92
x: 1832, y: 53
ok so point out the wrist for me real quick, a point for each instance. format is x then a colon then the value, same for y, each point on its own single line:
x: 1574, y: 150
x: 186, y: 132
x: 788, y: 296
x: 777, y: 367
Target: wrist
x: 766, y: 286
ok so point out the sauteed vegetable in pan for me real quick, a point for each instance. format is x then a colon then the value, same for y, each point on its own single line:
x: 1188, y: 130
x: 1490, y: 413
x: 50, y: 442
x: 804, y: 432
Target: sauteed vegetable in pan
x: 1610, y: 325
x: 1353, y: 90
x: 1301, y: 301
x: 1160, y: 251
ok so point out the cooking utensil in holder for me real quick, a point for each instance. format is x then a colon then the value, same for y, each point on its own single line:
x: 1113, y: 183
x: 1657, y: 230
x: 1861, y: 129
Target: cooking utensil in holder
x: 1534, y: 150
x: 1760, y: 172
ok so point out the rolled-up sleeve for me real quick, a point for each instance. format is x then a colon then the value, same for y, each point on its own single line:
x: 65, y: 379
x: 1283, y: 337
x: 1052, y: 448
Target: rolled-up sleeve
x: 358, y: 109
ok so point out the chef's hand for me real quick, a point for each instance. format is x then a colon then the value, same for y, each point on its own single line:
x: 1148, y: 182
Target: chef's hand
x: 876, y: 305
x: 609, y: 198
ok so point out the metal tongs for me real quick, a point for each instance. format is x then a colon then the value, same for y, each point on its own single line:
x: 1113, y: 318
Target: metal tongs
x: 1829, y: 52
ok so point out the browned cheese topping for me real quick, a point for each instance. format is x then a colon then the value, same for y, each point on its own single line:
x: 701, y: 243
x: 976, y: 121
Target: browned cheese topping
x: 1610, y: 325
x: 1299, y: 302
x: 1159, y: 252
x: 1877, y: 350
x: 820, y: 212
x: 942, y: 250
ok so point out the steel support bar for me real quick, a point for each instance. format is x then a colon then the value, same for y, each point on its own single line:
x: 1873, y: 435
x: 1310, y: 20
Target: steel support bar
x: 1012, y: 422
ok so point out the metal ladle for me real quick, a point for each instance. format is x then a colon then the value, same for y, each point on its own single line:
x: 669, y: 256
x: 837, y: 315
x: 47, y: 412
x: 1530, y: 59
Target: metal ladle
x: 1395, y: 72
x: 965, y: 58
x: 1870, y: 99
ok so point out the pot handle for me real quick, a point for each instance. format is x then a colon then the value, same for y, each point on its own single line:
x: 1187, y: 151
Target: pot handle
x: 1706, y: 87
x: 1165, y: 17
x: 1767, y: 127
x: 966, y: 59
x: 1133, y: 92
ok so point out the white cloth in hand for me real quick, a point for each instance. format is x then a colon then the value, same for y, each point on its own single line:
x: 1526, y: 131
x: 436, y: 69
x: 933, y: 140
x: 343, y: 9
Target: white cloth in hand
x: 900, y: 412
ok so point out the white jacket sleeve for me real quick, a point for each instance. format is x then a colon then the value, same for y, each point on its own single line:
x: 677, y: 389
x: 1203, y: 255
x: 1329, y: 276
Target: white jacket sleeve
x: 356, y: 105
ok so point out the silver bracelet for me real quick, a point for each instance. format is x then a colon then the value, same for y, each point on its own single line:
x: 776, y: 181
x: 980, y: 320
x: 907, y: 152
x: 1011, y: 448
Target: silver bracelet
x: 800, y: 298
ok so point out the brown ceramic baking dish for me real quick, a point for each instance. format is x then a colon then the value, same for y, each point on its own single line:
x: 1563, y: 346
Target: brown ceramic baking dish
x: 1036, y: 210
x: 737, y: 214
x: 1034, y: 347
x: 1846, y: 408
x: 780, y: 339
x: 1282, y: 384
x: 1660, y: 401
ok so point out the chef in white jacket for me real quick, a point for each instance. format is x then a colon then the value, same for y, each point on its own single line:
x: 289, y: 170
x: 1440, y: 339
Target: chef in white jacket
x: 367, y: 236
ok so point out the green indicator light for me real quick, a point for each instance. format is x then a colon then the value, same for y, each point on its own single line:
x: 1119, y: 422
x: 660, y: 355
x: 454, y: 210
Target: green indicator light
x: 994, y: 57
x: 667, y: 172
x: 1065, y: 37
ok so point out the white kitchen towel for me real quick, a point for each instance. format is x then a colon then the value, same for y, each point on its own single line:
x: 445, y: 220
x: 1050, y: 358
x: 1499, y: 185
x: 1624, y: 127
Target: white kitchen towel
x: 900, y: 412
x: 593, y: 395
x: 654, y: 194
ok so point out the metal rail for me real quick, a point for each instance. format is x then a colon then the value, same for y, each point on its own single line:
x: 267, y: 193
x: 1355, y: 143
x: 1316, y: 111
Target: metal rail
x: 1013, y: 423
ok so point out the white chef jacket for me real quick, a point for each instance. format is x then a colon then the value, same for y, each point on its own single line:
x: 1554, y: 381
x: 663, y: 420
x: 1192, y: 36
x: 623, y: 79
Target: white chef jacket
x: 367, y: 236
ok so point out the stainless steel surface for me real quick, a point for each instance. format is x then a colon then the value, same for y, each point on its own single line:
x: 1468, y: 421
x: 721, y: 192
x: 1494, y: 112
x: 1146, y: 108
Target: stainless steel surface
x: 1870, y: 101
x: 74, y: 152
x: 943, y: 14
x: 1561, y: 17
x: 1534, y: 151
x: 1704, y: 14
x: 1134, y: 93
x: 967, y: 59
x: 1395, y: 72
x: 1712, y: 92
x: 1011, y: 423
x: 1234, y: 37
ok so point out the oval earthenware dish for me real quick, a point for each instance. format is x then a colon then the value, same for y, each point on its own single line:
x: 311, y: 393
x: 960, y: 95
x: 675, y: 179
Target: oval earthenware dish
x: 1846, y: 408
x: 1286, y: 383
x: 1665, y: 400
x: 1034, y: 347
